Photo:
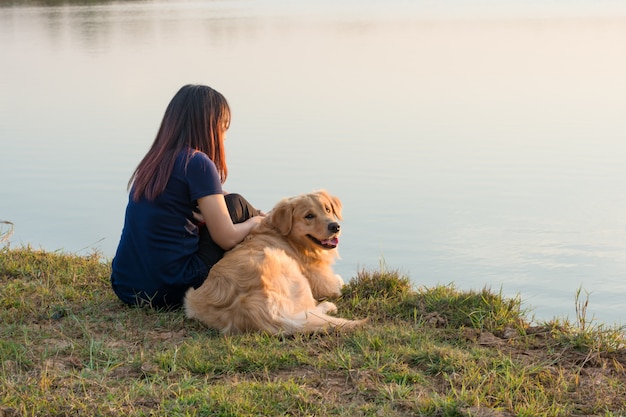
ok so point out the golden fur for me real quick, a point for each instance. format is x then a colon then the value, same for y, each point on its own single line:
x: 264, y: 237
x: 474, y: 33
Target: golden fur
x: 270, y: 281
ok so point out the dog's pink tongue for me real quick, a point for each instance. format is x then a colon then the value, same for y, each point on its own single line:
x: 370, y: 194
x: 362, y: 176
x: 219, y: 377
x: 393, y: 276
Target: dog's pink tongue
x: 331, y: 242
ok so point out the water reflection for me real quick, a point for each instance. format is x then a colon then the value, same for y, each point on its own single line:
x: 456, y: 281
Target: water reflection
x: 56, y: 3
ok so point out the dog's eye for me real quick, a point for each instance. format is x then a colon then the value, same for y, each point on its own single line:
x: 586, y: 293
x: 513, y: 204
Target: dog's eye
x: 309, y: 216
x: 328, y: 210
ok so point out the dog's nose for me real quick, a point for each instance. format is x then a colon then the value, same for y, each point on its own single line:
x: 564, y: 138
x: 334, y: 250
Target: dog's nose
x: 334, y: 227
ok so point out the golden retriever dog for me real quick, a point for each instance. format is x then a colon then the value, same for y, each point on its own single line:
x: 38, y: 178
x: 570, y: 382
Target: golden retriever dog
x: 271, y: 280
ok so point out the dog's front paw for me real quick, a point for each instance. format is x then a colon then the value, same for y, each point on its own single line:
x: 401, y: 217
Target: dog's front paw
x: 340, y: 284
x: 340, y: 281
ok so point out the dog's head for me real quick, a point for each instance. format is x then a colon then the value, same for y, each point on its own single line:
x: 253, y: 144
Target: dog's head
x: 309, y: 220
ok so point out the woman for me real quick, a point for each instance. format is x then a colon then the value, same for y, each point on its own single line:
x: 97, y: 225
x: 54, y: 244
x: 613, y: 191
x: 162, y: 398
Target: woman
x: 166, y: 246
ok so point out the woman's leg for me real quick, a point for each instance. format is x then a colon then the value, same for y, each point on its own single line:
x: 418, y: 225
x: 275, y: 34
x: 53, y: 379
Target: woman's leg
x: 240, y: 210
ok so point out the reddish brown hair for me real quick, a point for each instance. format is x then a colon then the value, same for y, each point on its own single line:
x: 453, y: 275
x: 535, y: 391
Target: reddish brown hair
x: 196, y: 119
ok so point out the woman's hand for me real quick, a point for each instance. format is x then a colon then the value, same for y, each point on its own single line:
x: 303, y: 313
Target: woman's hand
x: 256, y: 220
x: 198, y: 217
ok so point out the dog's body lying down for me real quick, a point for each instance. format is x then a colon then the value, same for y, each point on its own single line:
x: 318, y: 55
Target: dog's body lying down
x: 270, y: 281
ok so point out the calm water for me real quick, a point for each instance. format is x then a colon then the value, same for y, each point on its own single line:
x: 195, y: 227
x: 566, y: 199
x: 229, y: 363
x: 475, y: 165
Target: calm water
x: 480, y: 143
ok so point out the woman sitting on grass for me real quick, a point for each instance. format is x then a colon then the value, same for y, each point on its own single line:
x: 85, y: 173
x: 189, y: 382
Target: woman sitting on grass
x: 166, y: 247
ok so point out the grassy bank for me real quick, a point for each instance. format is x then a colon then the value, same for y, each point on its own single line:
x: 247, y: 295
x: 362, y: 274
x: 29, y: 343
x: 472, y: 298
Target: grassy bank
x: 69, y: 348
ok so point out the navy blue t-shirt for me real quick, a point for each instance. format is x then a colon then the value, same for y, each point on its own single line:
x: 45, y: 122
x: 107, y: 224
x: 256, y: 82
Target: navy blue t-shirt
x: 156, y: 259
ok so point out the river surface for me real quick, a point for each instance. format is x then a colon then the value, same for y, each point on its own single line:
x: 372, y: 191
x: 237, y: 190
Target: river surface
x: 474, y: 143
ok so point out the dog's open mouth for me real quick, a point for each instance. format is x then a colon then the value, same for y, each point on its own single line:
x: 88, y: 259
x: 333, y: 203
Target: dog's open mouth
x: 326, y: 243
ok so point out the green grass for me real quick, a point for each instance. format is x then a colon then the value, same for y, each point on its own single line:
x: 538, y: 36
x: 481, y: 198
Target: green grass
x: 68, y: 347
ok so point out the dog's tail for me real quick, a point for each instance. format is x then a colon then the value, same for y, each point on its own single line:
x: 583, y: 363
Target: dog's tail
x: 318, y: 319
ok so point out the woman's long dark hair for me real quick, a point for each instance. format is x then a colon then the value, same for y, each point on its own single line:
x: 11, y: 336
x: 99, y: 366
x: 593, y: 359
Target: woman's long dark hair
x: 196, y: 119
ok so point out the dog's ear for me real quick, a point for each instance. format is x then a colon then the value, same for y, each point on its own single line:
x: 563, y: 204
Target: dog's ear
x: 335, y: 203
x: 281, y: 217
x: 336, y: 206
